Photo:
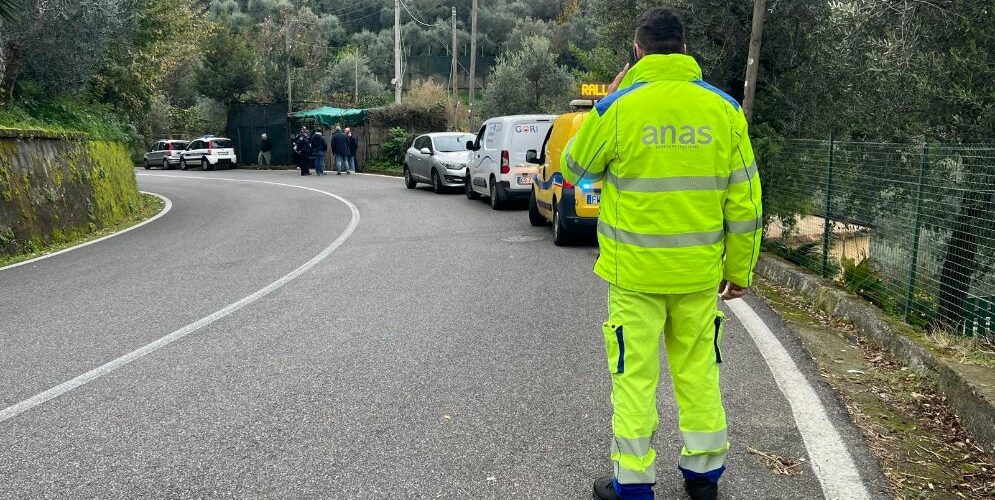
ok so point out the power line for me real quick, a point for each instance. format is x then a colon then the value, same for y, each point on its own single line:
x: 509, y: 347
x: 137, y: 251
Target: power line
x: 419, y: 21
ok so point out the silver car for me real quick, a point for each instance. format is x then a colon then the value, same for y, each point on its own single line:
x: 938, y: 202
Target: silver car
x: 438, y: 159
x: 165, y: 153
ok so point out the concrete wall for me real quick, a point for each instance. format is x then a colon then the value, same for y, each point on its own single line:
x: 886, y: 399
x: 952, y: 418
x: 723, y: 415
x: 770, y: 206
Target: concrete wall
x: 57, y: 187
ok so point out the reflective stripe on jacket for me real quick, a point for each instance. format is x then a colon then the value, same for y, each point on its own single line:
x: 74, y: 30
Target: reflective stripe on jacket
x: 680, y: 204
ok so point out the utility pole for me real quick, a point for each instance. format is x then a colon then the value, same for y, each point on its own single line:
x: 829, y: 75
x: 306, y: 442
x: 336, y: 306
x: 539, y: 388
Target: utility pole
x: 290, y: 87
x: 455, y: 70
x: 397, y: 51
x: 355, y: 99
x: 753, y: 60
x: 473, y: 56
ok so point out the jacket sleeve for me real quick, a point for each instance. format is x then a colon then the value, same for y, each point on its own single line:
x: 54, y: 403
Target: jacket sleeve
x: 743, y: 211
x: 590, y: 152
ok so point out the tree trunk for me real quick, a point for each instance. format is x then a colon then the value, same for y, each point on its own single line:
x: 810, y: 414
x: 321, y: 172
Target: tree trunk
x: 10, y: 64
x: 960, y: 259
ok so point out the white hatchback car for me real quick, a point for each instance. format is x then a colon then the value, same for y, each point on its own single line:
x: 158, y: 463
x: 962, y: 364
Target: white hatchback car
x: 439, y: 159
x: 496, y: 167
x: 208, y: 152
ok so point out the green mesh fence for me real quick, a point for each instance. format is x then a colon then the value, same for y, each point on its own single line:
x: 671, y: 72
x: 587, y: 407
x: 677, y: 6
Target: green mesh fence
x: 908, y: 227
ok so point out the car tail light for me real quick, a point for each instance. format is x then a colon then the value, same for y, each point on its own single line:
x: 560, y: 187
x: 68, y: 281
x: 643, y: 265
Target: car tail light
x: 210, y: 147
x: 505, y: 163
x: 567, y: 184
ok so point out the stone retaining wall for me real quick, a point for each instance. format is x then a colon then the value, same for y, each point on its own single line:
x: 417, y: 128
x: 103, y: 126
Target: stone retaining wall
x: 58, y: 187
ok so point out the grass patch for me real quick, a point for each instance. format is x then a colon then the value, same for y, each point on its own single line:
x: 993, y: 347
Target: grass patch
x: 64, y: 115
x: 149, y: 207
x: 383, y: 168
x: 923, y: 450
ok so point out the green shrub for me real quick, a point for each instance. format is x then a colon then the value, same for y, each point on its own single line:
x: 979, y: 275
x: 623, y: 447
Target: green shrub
x: 863, y: 280
x: 807, y: 255
x: 396, y: 145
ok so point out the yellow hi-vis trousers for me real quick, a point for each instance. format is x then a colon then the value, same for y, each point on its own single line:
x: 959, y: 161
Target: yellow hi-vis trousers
x: 692, y: 328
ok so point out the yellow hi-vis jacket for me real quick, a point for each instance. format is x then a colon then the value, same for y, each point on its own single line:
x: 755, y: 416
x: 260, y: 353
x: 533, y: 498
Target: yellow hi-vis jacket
x: 680, y: 203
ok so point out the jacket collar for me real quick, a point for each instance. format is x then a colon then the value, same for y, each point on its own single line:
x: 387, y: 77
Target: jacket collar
x: 657, y: 67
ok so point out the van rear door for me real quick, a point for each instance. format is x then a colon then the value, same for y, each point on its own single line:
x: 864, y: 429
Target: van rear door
x: 525, y: 134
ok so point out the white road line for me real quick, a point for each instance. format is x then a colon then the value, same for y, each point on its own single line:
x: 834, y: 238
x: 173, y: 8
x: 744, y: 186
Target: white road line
x: 381, y: 175
x: 829, y: 457
x: 165, y: 210
x: 27, y: 404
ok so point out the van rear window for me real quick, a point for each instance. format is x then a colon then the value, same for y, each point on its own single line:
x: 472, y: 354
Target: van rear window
x: 529, y: 135
x: 221, y: 143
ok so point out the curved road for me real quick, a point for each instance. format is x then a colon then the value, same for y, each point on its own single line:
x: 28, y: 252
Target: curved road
x: 442, y: 351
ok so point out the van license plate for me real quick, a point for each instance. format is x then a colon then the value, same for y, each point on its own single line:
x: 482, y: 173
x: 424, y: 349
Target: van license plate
x: 525, y: 180
x: 593, y: 199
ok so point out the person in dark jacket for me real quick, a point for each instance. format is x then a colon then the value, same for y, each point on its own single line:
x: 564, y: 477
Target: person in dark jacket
x: 265, y: 148
x: 353, y: 147
x: 302, y: 151
x: 340, y: 148
x: 318, y: 149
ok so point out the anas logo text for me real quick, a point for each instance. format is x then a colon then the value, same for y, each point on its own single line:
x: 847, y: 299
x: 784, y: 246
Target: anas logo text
x: 668, y: 135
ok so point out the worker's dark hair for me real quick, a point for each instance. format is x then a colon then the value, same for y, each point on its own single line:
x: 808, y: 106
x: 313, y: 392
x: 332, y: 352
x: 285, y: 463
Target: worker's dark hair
x: 661, y: 30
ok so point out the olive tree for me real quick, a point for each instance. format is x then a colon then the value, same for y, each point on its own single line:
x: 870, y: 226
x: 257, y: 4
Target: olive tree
x: 528, y: 81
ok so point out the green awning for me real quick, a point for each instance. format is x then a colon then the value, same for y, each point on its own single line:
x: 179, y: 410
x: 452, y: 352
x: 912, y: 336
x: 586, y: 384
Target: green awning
x: 329, y: 116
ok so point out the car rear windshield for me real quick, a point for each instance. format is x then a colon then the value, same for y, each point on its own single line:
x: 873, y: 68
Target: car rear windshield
x: 452, y: 143
x: 221, y: 143
x: 528, y: 135
x: 180, y: 145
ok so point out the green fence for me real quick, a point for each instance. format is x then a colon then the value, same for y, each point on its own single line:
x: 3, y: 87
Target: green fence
x: 909, y: 227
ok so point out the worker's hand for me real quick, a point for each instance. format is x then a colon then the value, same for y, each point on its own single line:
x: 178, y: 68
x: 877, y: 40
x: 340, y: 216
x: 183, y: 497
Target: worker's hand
x: 729, y: 291
x: 618, y: 80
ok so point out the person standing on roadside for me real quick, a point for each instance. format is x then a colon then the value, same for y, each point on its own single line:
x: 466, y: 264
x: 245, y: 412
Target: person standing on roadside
x: 265, y: 151
x: 340, y: 147
x: 318, y: 148
x: 680, y: 218
x: 353, y: 147
x: 302, y: 151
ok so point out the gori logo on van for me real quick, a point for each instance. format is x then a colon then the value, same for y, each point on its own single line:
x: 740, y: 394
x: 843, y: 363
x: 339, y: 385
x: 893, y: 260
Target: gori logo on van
x: 526, y: 129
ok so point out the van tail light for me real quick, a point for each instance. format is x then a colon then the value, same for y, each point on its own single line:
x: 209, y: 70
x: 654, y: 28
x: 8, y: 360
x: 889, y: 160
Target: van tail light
x: 505, y: 163
x: 170, y: 149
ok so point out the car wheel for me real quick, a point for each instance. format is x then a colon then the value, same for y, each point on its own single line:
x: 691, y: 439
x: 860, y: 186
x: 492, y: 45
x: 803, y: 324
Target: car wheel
x: 409, y: 181
x: 183, y: 164
x: 561, y: 236
x: 535, y: 218
x: 436, y: 182
x: 165, y: 164
x: 206, y: 165
x: 147, y: 166
x: 496, y: 202
x: 468, y: 188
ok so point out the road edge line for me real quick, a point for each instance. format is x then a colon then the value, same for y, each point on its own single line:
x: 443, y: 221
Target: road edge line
x: 38, y: 399
x: 829, y: 457
x: 164, y: 211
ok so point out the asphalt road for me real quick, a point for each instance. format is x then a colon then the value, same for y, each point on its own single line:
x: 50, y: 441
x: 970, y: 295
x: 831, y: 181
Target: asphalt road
x: 444, y: 350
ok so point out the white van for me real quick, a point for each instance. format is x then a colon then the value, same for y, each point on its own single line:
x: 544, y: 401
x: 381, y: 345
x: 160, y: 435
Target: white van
x: 496, y: 166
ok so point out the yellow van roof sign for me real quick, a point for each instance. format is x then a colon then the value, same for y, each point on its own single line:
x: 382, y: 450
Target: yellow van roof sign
x: 593, y: 90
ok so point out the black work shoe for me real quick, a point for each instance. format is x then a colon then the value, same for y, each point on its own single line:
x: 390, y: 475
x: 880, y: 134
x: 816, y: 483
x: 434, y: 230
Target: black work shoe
x: 701, y: 489
x: 604, y: 488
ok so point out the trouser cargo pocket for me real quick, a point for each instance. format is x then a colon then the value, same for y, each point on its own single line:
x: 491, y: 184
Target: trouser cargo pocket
x: 614, y: 347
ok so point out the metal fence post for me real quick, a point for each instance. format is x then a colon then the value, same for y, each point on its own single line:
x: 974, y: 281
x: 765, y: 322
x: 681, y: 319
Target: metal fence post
x: 916, y: 229
x: 827, y: 217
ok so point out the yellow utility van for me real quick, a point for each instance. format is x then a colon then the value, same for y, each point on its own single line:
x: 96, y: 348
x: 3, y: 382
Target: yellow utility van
x: 572, y: 210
